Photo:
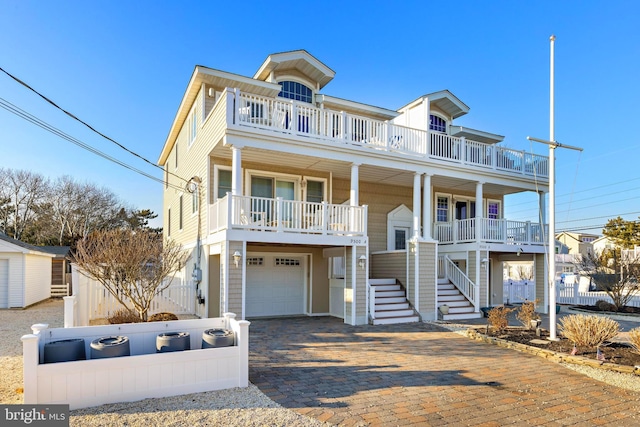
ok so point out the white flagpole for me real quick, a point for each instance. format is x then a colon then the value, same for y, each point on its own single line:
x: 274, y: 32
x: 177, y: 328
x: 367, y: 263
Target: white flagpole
x: 553, y: 144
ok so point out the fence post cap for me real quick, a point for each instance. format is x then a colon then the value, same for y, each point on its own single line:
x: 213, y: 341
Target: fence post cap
x: 29, y: 337
x: 38, y: 327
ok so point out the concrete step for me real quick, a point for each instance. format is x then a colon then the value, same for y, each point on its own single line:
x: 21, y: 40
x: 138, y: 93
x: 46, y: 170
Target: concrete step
x: 392, y: 306
x: 394, y: 313
x: 382, y: 281
x: 454, y: 303
x: 459, y: 316
x: 393, y: 320
x: 459, y: 310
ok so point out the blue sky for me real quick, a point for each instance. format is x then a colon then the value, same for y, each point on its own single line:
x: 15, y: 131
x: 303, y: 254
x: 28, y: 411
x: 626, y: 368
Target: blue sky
x: 123, y: 67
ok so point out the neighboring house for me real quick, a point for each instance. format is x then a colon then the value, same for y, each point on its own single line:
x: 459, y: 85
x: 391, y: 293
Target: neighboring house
x: 602, y: 244
x: 296, y: 202
x: 25, y: 273
x: 60, y: 270
x: 578, y: 243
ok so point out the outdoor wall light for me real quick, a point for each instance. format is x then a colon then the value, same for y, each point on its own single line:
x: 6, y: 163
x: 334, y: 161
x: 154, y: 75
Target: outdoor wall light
x: 484, y: 262
x: 237, y: 256
x: 362, y: 261
x: 519, y: 251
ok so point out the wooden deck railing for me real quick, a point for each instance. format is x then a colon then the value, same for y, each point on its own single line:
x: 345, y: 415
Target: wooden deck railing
x: 489, y: 230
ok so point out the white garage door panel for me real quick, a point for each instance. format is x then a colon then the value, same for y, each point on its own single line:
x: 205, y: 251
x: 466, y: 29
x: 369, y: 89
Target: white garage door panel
x: 274, y: 290
x: 4, y: 283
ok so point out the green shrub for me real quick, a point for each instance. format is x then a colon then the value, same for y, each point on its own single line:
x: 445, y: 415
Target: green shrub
x: 603, y: 305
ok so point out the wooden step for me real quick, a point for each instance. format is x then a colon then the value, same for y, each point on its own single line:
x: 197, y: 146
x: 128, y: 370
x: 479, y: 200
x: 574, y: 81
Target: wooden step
x: 394, y: 287
x: 449, y: 292
x: 392, y: 306
x: 375, y: 282
x: 387, y: 294
x: 390, y: 300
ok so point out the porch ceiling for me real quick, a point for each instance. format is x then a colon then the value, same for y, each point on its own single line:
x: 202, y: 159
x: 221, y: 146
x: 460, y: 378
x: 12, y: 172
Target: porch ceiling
x: 367, y: 173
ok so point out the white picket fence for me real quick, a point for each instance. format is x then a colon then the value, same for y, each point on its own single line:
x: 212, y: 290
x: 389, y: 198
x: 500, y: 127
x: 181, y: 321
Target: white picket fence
x: 518, y: 291
x: 93, y: 301
x: 570, y: 294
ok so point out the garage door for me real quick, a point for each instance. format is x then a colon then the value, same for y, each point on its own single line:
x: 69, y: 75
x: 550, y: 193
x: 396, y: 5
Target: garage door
x: 4, y: 283
x: 275, y: 285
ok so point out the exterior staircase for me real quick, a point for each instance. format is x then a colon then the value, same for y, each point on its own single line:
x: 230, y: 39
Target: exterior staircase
x: 459, y: 306
x: 391, y: 305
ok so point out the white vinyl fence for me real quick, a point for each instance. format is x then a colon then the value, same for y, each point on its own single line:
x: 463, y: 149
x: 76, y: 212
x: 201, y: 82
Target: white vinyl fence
x: 93, y: 301
x: 144, y: 374
x: 570, y: 294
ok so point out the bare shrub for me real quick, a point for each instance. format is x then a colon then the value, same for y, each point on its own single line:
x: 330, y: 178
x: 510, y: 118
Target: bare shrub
x: 634, y: 338
x: 588, y: 331
x: 603, y: 305
x: 162, y: 317
x: 498, y: 317
x: 527, y: 313
x: 124, y: 316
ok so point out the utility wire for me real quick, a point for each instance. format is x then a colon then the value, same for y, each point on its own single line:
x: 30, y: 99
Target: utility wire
x: 88, y: 125
x: 44, y: 125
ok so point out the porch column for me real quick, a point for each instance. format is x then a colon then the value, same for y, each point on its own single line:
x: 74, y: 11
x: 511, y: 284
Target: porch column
x: 416, y: 204
x: 479, y: 223
x: 427, y: 113
x: 427, y: 209
x: 353, y: 195
x: 543, y: 207
x: 236, y: 171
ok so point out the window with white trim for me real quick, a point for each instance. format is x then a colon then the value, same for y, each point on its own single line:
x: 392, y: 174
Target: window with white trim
x: 437, y: 123
x: 194, y: 200
x: 442, y: 209
x: 493, y: 209
x: 180, y: 214
x: 169, y: 222
x: 193, y: 125
x: 400, y: 238
x: 223, y: 182
x: 297, y: 91
x: 287, y: 262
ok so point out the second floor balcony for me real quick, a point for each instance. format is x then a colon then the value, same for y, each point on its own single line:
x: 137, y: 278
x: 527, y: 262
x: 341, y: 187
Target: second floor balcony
x: 490, y: 231
x: 286, y: 216
x: 305, y: 120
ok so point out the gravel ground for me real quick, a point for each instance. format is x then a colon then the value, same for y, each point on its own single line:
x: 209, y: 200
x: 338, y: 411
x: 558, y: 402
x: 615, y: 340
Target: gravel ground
x: 232, y: 407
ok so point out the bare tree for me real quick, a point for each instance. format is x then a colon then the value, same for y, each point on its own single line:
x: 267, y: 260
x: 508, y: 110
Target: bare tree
x: 615, y: 276
x: 134, y: 266
x: 21, y: 191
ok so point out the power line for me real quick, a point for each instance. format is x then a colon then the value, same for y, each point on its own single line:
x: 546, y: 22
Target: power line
x: 88, y: 125
x: 44, y: 125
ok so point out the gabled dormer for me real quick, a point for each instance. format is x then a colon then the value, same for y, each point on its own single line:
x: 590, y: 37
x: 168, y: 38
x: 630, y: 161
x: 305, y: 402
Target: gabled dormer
x: 299, y: 74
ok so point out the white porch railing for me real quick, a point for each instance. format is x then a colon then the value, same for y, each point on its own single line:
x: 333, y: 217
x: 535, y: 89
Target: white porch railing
x: 299, y: 118
x: 266, y: 214
x: 460, y: 280
x: 95, y: 302
x: 490, y: 230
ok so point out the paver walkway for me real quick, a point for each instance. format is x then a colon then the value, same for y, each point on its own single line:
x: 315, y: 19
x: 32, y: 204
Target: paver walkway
x: 420, y: 374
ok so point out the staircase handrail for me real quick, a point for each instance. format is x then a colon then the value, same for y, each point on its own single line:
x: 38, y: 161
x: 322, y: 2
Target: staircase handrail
x: 460, y: 280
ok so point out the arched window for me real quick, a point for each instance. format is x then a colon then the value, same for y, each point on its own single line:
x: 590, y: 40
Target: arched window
x: 296, y: 91
x: 437, y: 124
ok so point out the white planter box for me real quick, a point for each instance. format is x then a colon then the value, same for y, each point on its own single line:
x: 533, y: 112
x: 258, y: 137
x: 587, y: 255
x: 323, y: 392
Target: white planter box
x: 142, y: 375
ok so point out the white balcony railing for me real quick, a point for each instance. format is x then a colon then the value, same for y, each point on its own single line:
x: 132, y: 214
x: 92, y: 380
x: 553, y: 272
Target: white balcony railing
x: 267, y: 214
x: 299, y: 118
x: 489, y: 230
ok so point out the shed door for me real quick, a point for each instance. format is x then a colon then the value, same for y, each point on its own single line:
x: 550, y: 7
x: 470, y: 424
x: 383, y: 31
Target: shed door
x: 4, y: 283
x: 275, y: 285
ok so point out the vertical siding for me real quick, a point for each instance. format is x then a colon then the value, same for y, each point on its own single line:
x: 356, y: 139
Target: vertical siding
x: 428, y: 279
x: 235, y: 279
x: 16, y: 281
x: 37, y: 279
x: 348, y: 285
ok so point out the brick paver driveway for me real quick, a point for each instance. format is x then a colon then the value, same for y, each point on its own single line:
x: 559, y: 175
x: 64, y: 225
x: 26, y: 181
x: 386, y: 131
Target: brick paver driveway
x: 420, y: 374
